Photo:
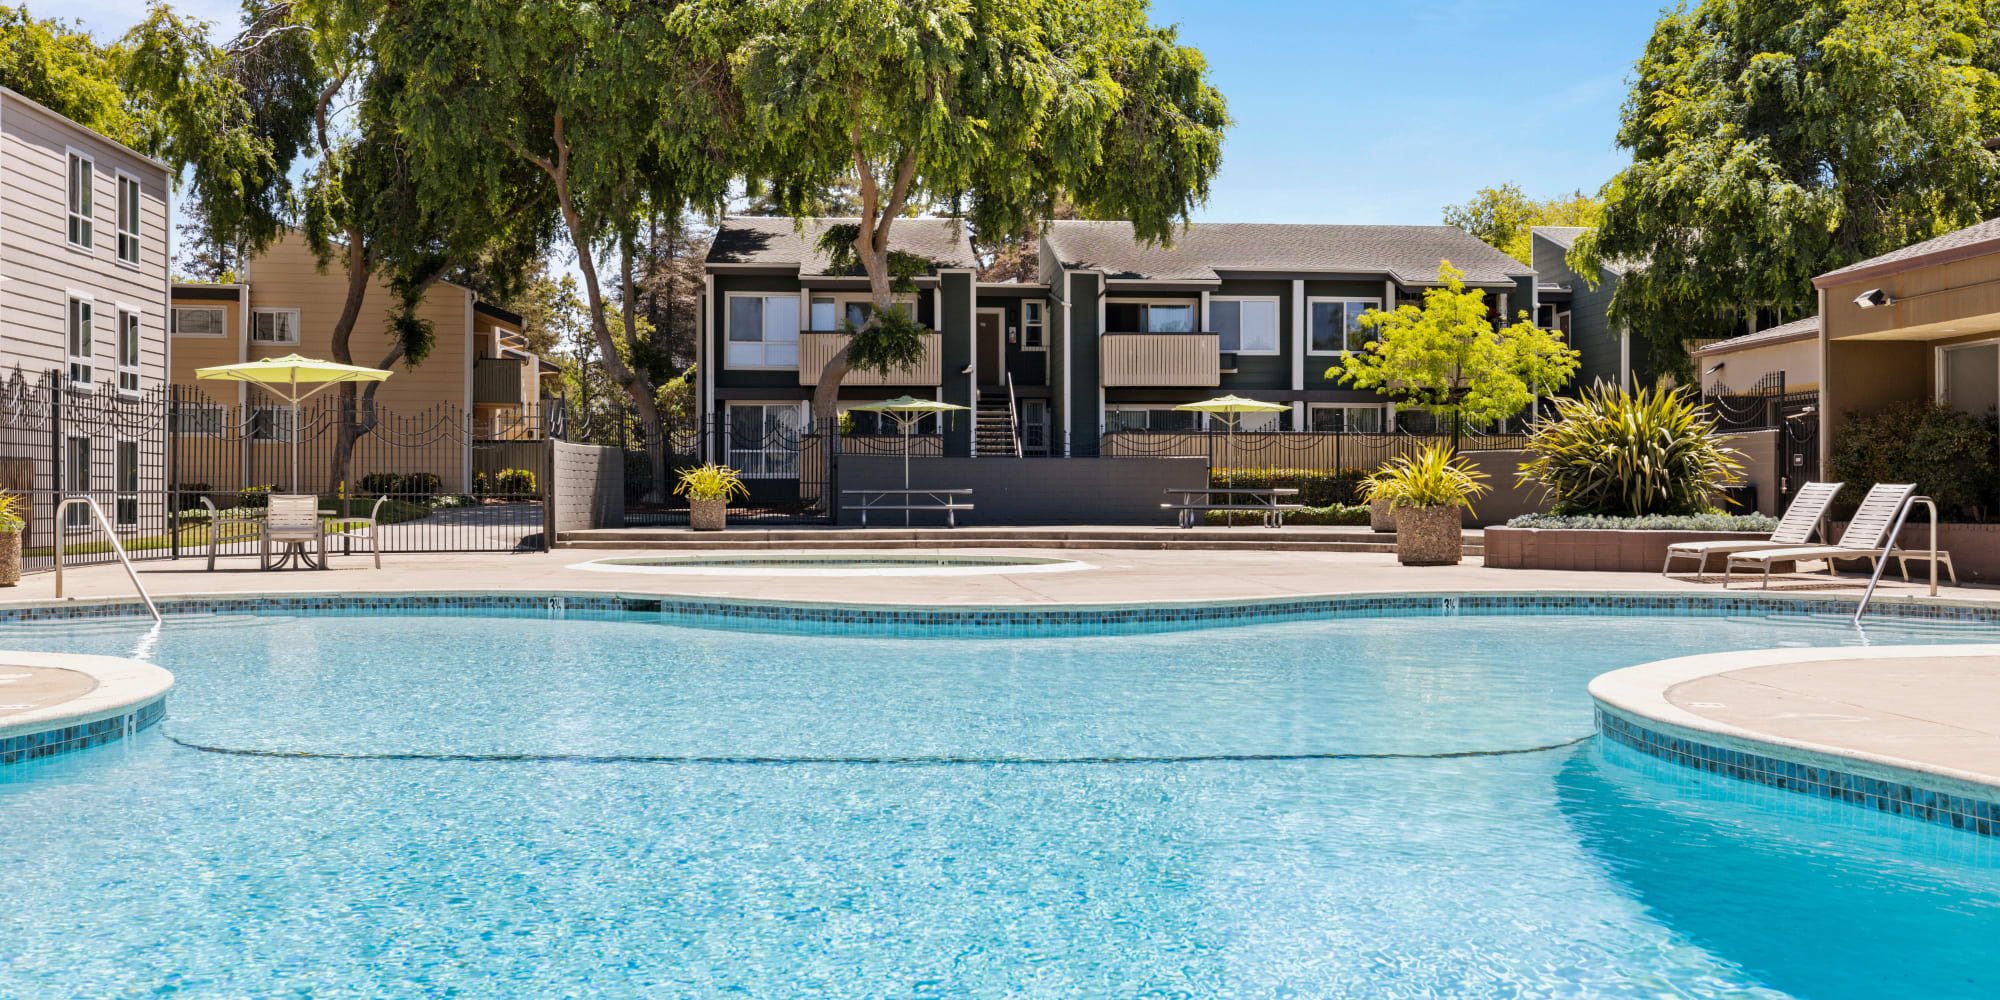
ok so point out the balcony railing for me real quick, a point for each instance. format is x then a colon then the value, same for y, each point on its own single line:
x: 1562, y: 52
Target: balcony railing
x: 816, y: 348
x: 500, y: 381
x: 1160, y: 359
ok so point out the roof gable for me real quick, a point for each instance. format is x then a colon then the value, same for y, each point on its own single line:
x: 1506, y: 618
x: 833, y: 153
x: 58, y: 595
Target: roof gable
x: 777, y: 241
x: 1203, y: 250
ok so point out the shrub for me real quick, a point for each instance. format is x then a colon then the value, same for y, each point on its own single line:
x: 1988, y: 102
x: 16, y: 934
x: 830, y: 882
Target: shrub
x: 710, y: 482
x: 381, y: 482
x: 1339, y: 513
x: 11, y: 522
x: 1317, y: 487
x: 422, y: 484
x: 255, y: 497
x: 1616, y: 453
x: 480, y: 487
x: 515, y: 481
x: 1433, y: 477
x: 1650, y: 522
x: 1948, y: 453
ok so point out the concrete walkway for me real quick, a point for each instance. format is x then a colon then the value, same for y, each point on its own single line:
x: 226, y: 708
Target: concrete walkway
x: 1119, y: 576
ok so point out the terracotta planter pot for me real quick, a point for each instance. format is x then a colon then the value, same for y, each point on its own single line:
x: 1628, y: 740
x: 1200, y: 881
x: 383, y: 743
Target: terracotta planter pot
x: 1381, y: 517
x: 1429, y: 536
x: 708, y: 515
x: 10, y: 560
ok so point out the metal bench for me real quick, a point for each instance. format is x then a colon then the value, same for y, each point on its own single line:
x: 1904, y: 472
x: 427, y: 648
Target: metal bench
x: 876, y: 500
x: 1263, y: 502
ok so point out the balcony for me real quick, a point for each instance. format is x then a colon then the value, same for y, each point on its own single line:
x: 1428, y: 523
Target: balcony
x: 1160, y: 359
x: 501, y: 381
x: 816, y: 348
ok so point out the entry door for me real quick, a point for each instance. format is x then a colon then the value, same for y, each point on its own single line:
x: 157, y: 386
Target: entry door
x: 992, y: 348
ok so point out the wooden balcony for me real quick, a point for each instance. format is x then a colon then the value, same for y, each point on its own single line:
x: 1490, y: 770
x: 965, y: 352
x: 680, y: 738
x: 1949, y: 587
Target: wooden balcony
x: 501, y: 381
x: 816, y: 348
x: 1160, y: 359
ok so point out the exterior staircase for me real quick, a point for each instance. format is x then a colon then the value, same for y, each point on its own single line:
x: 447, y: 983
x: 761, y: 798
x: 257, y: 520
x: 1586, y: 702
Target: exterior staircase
x: 994, y: 432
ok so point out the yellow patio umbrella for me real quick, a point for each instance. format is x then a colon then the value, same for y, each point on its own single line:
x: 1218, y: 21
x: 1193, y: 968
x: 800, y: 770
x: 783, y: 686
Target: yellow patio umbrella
x: 906, y: 411
x: 1232, y: 406
x: 294, y: 379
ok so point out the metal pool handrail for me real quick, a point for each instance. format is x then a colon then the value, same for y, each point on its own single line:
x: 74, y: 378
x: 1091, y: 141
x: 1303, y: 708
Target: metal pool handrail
x: 109, y: 532
x: 1895, y: 534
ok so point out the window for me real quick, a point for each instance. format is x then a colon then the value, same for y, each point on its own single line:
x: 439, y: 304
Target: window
x: 868, y: 423
x: 1969, y: 377
x: 1035, y: 426
x: 1335, y: 325
x: 763, y: 331
x: 82, y: 343
x: 1149, y: 317
x: 199, y: 419
x: 82, y: 175
x: 269, y: 423
x: 128, y: 350
x: 828, y: 312
x: 128, y: 484
x: 764, y: 438
x: 274, y: 326
x: 1246, y: 326
x: 1150, y: 418
x: 1416, y: 421
x: 197, y: 321
x: 76, y: 479
x: 1034, y: 336
x: 1348, y: 419
x: 128, y: 219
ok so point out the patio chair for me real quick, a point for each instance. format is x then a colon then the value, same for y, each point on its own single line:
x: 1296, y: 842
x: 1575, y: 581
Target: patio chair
x: 365, y: 528
x: 1866, y: 536
x: 292, y: 520
x: 1794, y: 529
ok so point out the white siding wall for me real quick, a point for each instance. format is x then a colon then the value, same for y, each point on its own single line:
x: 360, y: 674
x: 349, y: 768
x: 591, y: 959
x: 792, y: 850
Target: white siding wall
x: 39, y: 266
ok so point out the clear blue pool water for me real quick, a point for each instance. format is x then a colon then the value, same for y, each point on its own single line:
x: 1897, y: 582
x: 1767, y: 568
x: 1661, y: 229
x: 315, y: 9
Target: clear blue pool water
x: 147, y: 869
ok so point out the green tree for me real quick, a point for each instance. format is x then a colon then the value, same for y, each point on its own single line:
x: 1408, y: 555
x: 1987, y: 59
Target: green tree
x: 994, y: 110
x: 1773, y: 140
x: 622, y: 121
x: 1447, y: 359
x: 1503, y: 216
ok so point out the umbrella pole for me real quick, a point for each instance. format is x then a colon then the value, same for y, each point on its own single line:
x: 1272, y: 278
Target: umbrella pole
x: 905, y: 425
x: 295, y: 430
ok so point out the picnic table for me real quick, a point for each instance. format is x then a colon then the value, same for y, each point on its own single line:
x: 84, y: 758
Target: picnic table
x: 878, y: 500
x: 1264, y: 502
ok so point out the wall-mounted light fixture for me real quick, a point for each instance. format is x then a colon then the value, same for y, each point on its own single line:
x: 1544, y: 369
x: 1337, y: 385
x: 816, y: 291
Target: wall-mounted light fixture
x: 1715, y: 368
x: 1872, y: 298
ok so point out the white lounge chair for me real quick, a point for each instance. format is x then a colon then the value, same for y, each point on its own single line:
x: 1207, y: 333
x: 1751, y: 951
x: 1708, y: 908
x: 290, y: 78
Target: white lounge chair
x: 1866, y: 536
x: 292, y: 520
x: 367, y: 529
x: 1794, y: 529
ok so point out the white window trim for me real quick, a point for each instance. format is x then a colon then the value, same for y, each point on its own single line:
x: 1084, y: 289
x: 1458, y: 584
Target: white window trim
x: 120, y: 311
x: 251, y: 334
x: 1201, y: 419
x: 1938, y: 351
x: 1373, y: 302
x: 78, y: 520
x: 138, y: 217
x: 728, y: 319
x: 119, y: 494
x: 1382, y: 408
x: 729, y: 423
x: 1192, y: 303
x: 840, y: 303
x: 89, y: 216
x: 221, y: 327
x: 1277, y: 322
x: 1042, y: 324
x: 218, y: 411
x: 282, y: 426
x: 71, y: 359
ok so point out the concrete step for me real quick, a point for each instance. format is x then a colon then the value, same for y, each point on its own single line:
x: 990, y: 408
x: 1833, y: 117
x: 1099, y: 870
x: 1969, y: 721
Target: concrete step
x: 1247, y: 538
x: 710, y: 543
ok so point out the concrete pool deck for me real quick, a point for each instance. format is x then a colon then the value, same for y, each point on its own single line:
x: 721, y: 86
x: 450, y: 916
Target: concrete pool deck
x: 53, y: 703
x: 1120, y: 576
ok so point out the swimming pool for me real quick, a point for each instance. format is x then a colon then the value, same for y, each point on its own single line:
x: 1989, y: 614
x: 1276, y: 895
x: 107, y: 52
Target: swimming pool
x: 627, y: 808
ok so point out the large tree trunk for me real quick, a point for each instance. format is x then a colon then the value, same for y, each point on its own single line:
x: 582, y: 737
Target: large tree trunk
x: 352, y: 425
x: 871, y: 248
x: 649, y: 409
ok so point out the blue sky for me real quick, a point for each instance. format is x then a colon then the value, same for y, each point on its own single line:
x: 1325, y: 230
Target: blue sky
x: 1352, y: 111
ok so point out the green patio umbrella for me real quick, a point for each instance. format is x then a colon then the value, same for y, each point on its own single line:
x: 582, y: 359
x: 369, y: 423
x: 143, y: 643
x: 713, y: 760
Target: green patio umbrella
x: 906, y: 411
x: 293, y: 379
x: 1232, y: 406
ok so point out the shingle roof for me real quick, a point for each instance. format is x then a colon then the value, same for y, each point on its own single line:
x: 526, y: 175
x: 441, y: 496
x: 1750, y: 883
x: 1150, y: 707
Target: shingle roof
x: 1798, y: 329
x: 1410, y: 254
x: 1565, y: 237
x: 777, y: 241
x: 1968, y: 242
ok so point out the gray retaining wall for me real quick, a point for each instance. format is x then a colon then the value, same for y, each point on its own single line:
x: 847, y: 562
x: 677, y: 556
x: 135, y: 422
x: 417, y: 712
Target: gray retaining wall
x: 1032, y: 490
x: 586, y: 487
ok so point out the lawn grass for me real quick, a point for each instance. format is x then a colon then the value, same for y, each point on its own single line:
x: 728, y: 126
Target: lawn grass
x: 194, y: 527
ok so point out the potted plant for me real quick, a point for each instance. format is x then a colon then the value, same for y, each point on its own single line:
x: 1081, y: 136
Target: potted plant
x: 709, y: 488
x: 1381, y: 513
x: 1426, y: 491
x: 11, y: 526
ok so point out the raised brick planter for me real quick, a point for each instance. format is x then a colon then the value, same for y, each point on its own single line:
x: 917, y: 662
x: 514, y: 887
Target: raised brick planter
x: 1596, y: 548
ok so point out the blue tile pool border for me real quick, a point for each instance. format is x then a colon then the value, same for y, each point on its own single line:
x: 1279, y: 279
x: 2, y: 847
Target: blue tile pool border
x: 1022, y: 621
x: 81, y: 735
x: 1912, y: 799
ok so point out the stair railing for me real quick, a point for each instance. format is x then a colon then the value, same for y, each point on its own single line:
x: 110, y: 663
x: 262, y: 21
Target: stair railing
x: 1895, y: 539
x: 1013, y: 416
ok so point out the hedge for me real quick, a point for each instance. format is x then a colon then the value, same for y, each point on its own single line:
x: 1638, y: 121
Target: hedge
x: 1317, y: 487
x: 1650, y: 522
x: 1339, y: 513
